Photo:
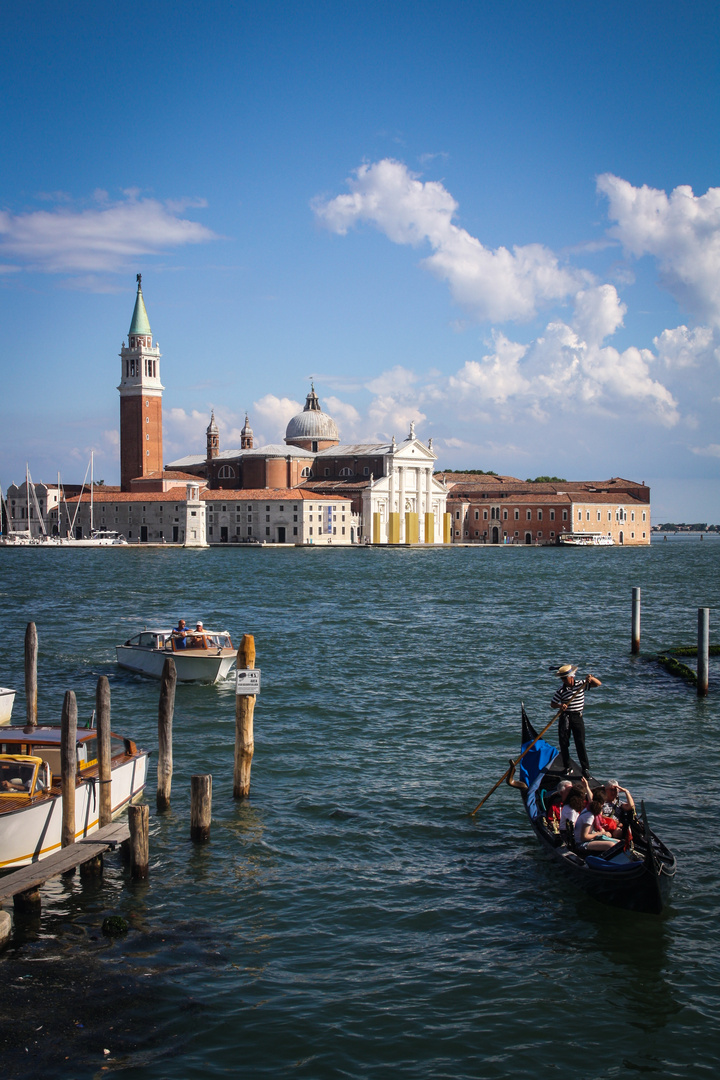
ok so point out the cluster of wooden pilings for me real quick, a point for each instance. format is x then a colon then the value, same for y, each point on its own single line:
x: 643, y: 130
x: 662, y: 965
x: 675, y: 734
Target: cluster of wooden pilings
x: 88, y: 853
x: 703, y: 641
x: 201, y: 784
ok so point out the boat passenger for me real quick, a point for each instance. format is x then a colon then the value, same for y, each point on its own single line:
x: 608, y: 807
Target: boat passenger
x: 613, y: 806
x: 572, y: 808
x: 556, y: 802
x: 586, y: 835
x: 198, y: 637
x: 180, y: 635
x: 23, y: 782
x: 606, y: 822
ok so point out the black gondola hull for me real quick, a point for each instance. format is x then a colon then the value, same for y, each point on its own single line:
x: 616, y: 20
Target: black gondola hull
x: 641, y: 885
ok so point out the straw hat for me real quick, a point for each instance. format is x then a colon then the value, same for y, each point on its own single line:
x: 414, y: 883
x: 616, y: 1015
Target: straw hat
x: 566, y: 670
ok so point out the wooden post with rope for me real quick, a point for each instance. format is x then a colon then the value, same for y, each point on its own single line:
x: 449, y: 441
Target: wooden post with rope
x: 68, y: 767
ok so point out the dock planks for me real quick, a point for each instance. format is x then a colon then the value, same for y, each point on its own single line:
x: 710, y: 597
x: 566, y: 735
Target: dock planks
x: 31, y: 877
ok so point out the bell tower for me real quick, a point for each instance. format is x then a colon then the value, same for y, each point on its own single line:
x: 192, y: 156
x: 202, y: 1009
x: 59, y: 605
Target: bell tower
x: 140, y: 399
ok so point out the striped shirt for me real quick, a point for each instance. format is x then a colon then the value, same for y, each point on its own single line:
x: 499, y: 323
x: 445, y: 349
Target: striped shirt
x: 563, y: 695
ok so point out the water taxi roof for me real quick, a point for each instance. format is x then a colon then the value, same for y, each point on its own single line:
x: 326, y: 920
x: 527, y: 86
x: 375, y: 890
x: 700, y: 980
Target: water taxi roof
x: 50, y: 736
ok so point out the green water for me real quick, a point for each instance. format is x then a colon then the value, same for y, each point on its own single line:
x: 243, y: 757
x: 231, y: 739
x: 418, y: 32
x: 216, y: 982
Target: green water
x: 350, y: 919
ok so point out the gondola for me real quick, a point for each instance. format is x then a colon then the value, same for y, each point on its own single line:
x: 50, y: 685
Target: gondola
x: 636, y: 874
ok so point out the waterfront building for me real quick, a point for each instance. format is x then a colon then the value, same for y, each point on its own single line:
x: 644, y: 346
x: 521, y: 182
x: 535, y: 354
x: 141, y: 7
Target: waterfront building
x: 490, y: 509
x: 394, y: 494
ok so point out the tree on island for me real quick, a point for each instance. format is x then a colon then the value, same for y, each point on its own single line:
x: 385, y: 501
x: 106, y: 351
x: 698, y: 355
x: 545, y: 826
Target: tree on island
x: 546, y: 480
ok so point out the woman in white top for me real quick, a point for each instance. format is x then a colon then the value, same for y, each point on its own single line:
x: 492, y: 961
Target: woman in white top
x: 586, y: 835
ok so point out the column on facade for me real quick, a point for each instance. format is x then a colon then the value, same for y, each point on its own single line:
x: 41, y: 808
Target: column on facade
x: 401, y: 506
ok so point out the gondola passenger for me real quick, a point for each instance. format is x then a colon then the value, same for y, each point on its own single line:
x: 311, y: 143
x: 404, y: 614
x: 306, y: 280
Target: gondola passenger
x: 587, y: 836
x: 614, y: 806
x: 606, y: 822
x: 556, y: 802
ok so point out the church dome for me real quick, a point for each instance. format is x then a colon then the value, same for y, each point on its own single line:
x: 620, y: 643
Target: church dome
x: 312, y: 424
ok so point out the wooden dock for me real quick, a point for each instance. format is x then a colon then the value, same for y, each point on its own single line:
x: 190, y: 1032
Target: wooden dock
x: 27, y: 879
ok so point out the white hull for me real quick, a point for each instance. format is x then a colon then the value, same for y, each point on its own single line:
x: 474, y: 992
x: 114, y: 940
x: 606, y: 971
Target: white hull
x: 33, y: 832
x: 204, y: 667
x: 7, y: 698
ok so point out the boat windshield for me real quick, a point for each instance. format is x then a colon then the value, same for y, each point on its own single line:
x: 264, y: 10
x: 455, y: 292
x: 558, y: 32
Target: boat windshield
x: 17, y: 775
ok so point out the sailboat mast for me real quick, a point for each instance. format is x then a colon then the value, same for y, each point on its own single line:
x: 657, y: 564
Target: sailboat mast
x: 92, y: 457
x: 27, y: 495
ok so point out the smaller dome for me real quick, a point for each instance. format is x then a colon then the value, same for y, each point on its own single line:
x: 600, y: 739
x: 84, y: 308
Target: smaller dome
x: 247, y: 430
x: 312, y: 423
x: 212, y: 428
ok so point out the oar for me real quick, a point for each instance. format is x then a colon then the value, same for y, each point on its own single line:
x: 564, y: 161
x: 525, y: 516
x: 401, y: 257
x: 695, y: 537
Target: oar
x: 516, y: 763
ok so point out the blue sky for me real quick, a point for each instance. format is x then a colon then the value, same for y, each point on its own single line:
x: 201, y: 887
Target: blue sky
x: 499, y: 220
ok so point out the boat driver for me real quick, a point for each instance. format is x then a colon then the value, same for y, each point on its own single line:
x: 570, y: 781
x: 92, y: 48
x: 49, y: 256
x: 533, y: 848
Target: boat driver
x: 180, y: 635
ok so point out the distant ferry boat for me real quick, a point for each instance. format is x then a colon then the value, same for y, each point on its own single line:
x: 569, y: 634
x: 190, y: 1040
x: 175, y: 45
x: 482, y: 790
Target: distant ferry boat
x: 586, y: 539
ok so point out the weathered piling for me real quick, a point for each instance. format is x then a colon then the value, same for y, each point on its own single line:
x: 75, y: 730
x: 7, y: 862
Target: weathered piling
x: 31, y: 691
x: 703, y: 651
x: 68, y: 767
x: 200, y: 807
x: 165, y: 719
x: 102, y: 711
x: 635, y: 648
x: 139, y: 822
x: 244, y: 711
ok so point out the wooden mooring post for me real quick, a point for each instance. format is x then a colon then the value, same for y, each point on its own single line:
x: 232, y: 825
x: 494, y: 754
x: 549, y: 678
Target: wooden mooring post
x: 68, y: 766
x: 102, y: 711
x: 635, y: 648
x: 200, y: 807
x: 165, y: 719
x: 31, y: 690
x: 139, y: 822
x: 703, y: 651
x: 244, y: 711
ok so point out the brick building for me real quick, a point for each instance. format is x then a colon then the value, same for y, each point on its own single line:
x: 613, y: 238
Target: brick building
x: 502, y: 509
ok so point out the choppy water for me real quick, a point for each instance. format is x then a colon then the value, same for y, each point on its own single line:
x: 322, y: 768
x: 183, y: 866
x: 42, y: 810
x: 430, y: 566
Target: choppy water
x: 350, y: 919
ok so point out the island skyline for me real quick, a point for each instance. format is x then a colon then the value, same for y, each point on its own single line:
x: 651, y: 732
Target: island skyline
x: 503, y: 225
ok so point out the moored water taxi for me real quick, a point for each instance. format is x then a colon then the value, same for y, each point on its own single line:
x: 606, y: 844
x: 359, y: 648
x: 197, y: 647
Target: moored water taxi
x: 200, y: 655
x: 7, y: 700
x: 31, y: 794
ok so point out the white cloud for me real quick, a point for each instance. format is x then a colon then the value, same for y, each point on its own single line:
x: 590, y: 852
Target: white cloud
x: 493, y: 284
x: 684, y: 348
x: 713, y: 450
x: 276, y: 413
x: 568, y: 368
x: 98, y: 240
x: 681, y: 230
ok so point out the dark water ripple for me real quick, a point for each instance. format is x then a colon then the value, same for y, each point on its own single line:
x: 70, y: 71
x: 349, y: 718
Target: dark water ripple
x: 351, y: 920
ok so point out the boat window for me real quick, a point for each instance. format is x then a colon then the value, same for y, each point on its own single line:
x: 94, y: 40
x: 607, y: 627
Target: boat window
x: 148, y: 640
x: 117, y: 746
x: 16, y: 778
x: 91, y: 751
x: 51, y: 754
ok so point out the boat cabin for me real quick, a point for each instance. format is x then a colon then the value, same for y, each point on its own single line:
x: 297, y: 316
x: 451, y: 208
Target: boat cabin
x: 21, y: 752
x: 166, y: 640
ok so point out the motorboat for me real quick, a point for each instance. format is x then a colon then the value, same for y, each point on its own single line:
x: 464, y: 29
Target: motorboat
x: 586, y: 539
x: 31, y: 792
x: 7, y: 700
x: 204, y: 656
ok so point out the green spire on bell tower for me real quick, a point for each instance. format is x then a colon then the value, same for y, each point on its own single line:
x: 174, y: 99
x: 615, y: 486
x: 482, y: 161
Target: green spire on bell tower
x: 140, y: 323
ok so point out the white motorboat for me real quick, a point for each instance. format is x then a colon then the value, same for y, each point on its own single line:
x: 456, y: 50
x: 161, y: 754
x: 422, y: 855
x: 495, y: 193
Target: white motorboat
x: 586, y: 539
x: 31, y: 794
x: 204, y: 656
x: 7, y: 700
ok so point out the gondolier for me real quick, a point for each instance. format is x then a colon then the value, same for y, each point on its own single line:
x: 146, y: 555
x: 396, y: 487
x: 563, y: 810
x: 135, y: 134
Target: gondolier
x: 570, y: 698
